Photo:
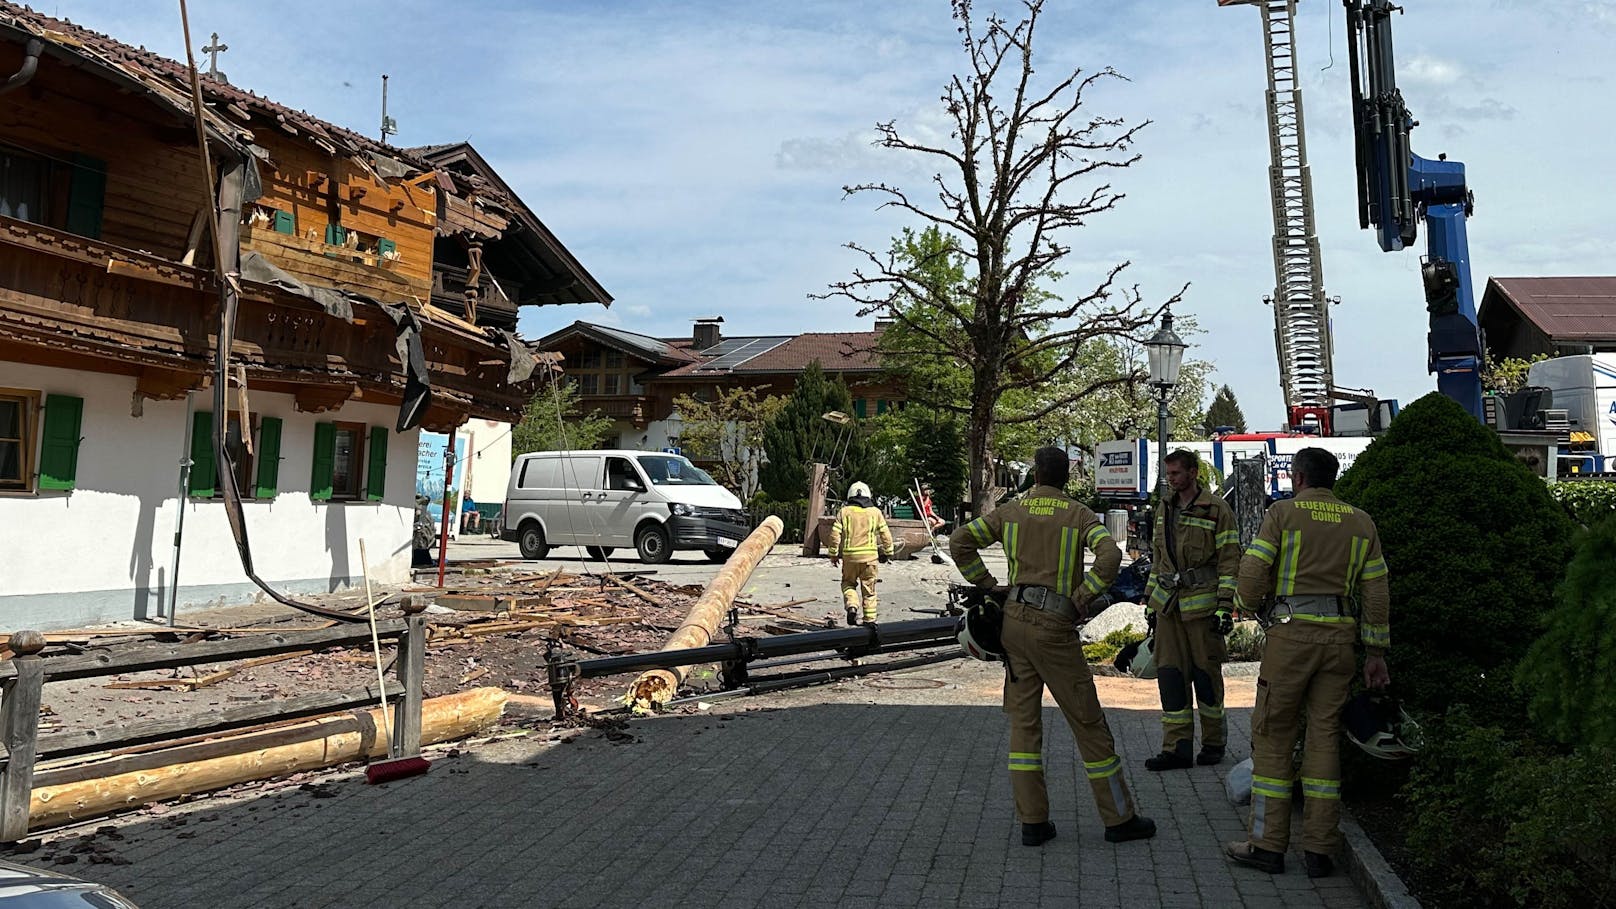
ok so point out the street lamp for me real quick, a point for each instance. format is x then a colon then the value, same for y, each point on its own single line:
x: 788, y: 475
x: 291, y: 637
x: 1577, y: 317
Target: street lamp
x: 1166, y: 352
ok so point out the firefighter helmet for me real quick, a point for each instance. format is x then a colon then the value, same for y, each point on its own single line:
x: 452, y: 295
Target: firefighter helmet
x: 1138, y: 659
x: 858, y: 489
x: 979, y: 629
x: 1378, y: 724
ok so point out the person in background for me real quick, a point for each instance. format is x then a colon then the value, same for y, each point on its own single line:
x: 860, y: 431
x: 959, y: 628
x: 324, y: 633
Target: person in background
x: 859, y: 538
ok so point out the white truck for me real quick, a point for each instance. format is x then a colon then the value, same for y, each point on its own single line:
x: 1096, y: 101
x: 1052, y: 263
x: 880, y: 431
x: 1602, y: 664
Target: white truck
x: 1584, y: 386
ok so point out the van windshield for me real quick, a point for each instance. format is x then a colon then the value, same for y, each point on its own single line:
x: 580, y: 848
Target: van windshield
x: 668, y: 470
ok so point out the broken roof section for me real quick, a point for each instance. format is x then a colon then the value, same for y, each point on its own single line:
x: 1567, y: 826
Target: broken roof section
x: 546, y: 272
x: 526, y: 245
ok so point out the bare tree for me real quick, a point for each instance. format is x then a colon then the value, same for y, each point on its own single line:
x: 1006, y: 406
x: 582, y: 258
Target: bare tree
x: 1013, y: 177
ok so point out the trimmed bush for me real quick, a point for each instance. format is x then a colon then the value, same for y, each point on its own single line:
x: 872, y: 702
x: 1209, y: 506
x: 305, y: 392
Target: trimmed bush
x: 1475, y: 546
x: 1570, y: 672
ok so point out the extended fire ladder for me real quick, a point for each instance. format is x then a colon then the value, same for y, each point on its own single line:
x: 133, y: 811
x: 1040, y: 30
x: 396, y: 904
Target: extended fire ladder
x: 1301, y: 310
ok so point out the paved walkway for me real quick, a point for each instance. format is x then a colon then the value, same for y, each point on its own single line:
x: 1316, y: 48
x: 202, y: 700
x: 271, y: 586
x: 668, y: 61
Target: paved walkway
x: 890, y: 791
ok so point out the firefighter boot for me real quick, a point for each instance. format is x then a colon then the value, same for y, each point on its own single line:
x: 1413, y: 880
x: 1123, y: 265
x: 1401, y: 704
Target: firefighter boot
x: 852, y: 615
x: 1134, y: 828
x: 1318, y: 864
x: 1209, y: 755
x: 1037, y: 834
x: 1177, y: 759
x: 1244, y: 853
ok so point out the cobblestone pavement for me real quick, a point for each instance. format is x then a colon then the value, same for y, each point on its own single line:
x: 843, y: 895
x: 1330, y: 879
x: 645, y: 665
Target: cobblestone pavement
x: 889, y: 791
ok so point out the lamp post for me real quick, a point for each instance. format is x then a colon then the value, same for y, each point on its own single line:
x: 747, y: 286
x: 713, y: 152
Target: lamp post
x: 1166, y: 352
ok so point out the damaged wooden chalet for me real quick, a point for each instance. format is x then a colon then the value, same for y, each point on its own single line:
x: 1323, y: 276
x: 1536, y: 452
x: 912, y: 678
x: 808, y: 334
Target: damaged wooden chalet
x: 377, y: 296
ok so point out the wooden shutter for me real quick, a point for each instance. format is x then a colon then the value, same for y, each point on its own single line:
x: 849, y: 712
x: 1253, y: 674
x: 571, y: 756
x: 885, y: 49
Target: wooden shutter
x: 269, y: 458
x: 325, y: 455
x: 86, y: 195
x: 285, y: 223
x: 376, y: 470
x: 204, y: 473
x: 59, y: 451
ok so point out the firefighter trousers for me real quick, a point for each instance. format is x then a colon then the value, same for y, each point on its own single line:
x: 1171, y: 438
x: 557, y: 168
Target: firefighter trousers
x: 1041, y: 649
x: 1189, y: 669
x: 1298, y: 675
x: 858, y: 585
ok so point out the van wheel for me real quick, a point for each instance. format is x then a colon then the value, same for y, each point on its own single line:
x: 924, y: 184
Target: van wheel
x: 599, y: 553
x: 718, y: 554
x: 653, y: 545
x: 531, y: 541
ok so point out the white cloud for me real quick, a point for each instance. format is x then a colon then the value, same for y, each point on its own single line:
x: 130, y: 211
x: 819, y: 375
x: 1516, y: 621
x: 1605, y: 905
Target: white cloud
x: 1430, y: 71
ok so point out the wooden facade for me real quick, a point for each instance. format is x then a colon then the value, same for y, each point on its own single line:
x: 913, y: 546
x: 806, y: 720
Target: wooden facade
x: 106, y: 261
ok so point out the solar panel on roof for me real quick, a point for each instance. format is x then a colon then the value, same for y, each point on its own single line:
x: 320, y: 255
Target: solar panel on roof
x: 752, y: 348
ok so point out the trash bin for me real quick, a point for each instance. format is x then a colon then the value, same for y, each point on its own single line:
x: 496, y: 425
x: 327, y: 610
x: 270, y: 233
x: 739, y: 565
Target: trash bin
x: 1116, y: 524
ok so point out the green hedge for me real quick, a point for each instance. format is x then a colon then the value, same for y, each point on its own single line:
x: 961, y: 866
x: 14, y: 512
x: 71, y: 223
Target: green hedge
x: 1570, y: 672
x: 1496, y: 820
x: 1588, y: 501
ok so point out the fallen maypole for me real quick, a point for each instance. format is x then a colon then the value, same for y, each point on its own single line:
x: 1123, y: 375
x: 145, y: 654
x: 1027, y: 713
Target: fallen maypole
x: 657, y: 686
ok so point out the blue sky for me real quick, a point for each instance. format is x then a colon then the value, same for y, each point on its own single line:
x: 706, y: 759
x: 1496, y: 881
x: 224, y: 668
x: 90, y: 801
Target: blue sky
x: 692, y: 154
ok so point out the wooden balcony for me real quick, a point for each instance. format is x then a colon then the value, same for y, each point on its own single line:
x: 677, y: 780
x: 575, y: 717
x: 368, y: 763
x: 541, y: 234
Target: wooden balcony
x: 634, y: 408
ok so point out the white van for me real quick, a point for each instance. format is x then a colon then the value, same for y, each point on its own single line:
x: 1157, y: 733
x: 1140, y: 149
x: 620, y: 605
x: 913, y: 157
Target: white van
x: 613, y: 499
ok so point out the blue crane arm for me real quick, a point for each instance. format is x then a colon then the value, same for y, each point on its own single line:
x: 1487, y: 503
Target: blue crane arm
x: 1396, y: 188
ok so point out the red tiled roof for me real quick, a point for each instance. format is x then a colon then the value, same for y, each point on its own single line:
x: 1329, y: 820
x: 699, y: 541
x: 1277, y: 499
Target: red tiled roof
x: 1575, y: 308
x: 836, y: 351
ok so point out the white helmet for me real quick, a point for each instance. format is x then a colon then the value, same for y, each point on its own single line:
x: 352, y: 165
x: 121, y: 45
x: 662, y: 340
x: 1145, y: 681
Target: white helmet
x: 1138, y: 659
x: 978, y: 633
x: 858, y: 489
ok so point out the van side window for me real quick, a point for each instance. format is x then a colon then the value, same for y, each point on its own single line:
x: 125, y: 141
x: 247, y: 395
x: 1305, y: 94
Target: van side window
x: 618, y: 474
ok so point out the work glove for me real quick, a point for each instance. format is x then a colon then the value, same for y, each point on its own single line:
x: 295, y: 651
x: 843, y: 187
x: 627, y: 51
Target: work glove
x: 884, y: 558
x: 835, y: 561
x: 1223, y: 621
x: 1150, y: 620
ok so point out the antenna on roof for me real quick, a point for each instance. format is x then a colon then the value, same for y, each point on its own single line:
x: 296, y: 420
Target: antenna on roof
x: 389, y: 125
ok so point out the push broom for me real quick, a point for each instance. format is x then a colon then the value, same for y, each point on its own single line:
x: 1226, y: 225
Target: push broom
x: 395, y: 767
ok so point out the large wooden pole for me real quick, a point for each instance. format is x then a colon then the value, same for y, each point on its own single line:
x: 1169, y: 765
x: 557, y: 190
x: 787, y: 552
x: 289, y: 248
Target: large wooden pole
x: 442, y: 719
x: 656, y: 687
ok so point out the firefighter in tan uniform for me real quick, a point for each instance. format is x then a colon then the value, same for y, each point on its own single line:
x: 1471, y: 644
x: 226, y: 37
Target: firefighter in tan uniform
x: 1189, y: 599
x: 859, y: 539
x: 1316, y: 556
x: 1044, y: 534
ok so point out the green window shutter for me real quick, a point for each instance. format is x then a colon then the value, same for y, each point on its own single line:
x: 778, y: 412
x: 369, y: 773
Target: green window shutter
x: 269, y: 458
x: 86, y: 196
x: 858, y: 408
x: 285, y: 223
x: 325, y: 454
x: 336, y: 234
x: 204, y: 475
x: 385, y: 246
x: 880, y: 407
x: 376, y: 470
x: 59, y: 451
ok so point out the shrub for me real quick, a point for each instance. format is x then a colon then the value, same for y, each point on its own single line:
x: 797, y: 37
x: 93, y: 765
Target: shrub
x: 1499, y: 821
x: 1106, y: 649
x: 1589, y: 501
x: 1245, y: 642
x: 1570, y: 672
x: 1475, y: 546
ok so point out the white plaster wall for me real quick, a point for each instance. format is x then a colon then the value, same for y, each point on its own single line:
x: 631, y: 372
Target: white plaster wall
x: 488, y: 459
x: 104, y: 550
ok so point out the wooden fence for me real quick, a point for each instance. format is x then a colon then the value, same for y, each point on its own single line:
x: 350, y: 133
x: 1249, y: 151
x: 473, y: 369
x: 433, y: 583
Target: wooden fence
x: 23, y: 678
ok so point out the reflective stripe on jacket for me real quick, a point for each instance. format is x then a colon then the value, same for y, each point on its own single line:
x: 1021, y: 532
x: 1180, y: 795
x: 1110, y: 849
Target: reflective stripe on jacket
x: 1316, y: 544
x: 1044, y: 534
x: 1205, y: 537
x: 860, y: 534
